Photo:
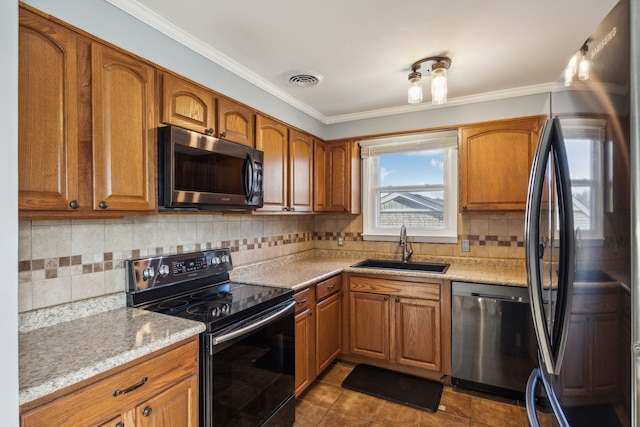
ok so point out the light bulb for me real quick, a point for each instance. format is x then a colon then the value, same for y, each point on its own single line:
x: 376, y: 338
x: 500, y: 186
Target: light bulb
x: 439, y: 85
x: 583, y: 67
x: 415, y: 88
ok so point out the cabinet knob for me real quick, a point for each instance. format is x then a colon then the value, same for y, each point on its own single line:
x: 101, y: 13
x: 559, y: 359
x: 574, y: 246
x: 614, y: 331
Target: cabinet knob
x: 103, y: 205
x: 223, y: 134
x: 120, y: 424
x: 146, y: 411
x: 310, y: 312
x: 74, y: 204
x: 293, y: 208
x: 209, y: 131
x: 284, y: 208
x: 397, y: 299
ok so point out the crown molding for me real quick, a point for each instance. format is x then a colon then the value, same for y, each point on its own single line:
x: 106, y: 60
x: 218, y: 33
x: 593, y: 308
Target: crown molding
x: 149, y: 17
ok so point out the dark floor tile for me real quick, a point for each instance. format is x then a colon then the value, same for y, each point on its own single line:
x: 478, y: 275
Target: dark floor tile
x: 308, y: 414
x: 442, y: 419
x: 496, y: 414
x: 393, y: 414
x: 336, y: 418
x: 335, y: 374
x: 357, y: 404
x: 322, y: 394
x: 455, y: 403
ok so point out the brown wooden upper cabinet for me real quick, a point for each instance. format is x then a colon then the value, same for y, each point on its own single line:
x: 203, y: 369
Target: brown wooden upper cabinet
x: 287, y: 168
x: 336, y: 177
x: 495, y: 160
x: 47, y: 115
x: 235, y: 122
x: 86, y: 122
x: 188, y: 105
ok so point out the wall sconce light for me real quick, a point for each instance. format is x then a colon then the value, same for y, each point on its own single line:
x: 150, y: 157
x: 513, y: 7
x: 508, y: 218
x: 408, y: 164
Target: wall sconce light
x: 438, y: 68
x: 579, y: 64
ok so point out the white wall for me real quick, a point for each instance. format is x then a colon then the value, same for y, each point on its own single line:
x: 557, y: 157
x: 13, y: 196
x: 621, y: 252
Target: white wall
x: 9, y: 212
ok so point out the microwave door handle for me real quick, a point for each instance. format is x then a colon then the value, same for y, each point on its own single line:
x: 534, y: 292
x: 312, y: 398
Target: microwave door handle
x: 248, y: 178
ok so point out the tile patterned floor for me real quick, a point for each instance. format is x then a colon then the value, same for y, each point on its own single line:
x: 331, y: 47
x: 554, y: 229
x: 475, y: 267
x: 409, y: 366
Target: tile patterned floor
x: 326, y: 403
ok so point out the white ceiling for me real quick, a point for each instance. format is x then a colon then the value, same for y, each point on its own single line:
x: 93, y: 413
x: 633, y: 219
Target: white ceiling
x: 364, y: 48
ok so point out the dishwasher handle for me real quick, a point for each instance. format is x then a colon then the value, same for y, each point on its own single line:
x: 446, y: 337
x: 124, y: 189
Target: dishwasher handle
x: 498, y: 297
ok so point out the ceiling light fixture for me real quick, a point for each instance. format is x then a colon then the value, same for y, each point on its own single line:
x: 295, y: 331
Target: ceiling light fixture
x: 438, y: 66
x: 579, y: 64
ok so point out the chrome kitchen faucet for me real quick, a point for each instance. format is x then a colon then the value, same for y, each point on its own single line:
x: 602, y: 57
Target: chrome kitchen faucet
x: 406, y: 254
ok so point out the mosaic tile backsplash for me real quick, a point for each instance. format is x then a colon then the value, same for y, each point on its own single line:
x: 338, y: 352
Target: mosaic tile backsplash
x: 62, y: 261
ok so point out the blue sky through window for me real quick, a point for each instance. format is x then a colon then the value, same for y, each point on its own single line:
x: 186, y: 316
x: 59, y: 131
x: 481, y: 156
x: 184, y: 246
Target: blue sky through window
x: 413, y: 168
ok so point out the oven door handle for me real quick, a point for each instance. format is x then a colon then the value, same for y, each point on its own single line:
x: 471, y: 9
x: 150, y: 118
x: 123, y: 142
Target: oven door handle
x: 253, y: 326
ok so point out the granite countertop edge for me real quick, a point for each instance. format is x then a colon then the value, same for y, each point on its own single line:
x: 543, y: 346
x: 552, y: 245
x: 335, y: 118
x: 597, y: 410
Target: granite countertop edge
x: 36, y: 383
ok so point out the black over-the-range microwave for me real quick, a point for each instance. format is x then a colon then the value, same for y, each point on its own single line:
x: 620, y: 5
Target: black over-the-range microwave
x: 197, y: 171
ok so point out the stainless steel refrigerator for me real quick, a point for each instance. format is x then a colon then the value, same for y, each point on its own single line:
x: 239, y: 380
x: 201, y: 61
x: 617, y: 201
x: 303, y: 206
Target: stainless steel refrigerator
x: 580, y: 237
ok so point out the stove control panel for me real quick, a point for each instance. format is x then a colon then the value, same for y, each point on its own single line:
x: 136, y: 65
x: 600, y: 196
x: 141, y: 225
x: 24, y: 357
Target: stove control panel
x: 144, y: 274
x: 189, y: 265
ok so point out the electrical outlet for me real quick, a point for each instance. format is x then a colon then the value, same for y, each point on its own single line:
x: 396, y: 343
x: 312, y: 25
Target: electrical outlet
x: 340, y: 240
x: 465, y: 246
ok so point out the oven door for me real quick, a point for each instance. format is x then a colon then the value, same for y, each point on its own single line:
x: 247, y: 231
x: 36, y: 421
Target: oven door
x: 247, y: 371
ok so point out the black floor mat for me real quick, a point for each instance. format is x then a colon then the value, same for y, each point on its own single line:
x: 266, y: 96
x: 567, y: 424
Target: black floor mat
x: 395, y: 387
x: 596, y: 416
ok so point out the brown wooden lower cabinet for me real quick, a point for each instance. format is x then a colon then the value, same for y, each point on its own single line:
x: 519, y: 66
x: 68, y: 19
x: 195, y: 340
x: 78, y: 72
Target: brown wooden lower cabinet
x: 318, y: 330
x: 305, y: 340
x: 167, y: 395
x: 591, y: 369
x: 399, y: 322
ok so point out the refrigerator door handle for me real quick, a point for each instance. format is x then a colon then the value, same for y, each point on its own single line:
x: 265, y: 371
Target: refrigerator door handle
x: 552, y: 342
x: 534, y: 249
x: 566, y: 263
x: 530, y: 399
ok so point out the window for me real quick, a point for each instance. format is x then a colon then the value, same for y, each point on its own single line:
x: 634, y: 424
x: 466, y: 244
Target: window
x: 411, y: 180
x: 584, y: 141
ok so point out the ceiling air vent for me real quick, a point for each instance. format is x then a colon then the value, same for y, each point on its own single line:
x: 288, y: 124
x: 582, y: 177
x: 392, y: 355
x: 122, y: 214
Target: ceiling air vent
x: 303, y: 78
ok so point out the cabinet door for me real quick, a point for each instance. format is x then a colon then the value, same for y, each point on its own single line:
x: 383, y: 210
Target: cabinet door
x: 176, y: 406
x: 300, y: 172
x: 124, y: 133
x: 305, y: 350
x: 47, y: 115
x: 271, y: 137
x: 416, y: 333
x: 495, y: 160
x: 328, y: 330
x: 575, y: 378
x: 369, y: 325
x: 605, y: 353
x: 320, y: 176
x: 235, y: 122
x: 187, y: 105
x: 339, y: 170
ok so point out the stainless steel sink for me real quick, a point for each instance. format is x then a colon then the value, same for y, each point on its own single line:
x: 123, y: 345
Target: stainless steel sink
x: 426, y: 267
x: 591, y: 276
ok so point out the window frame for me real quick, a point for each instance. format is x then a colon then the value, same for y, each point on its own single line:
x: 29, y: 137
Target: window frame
x: 371, y: 150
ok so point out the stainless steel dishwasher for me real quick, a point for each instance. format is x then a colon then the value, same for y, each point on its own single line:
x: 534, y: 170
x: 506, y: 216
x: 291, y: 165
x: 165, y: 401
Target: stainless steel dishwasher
x: 493, y: 340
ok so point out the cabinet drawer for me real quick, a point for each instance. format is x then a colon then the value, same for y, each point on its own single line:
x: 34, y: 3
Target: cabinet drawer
x: 396, y: 287
x: 594, y: 303
x: 98, y: 401
x: 303, y: 300
x: 328, y: 287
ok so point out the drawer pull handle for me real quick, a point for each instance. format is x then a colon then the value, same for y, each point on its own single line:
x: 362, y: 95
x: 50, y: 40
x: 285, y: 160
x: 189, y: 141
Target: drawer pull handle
x: 329, y: 287
x: 133, y: 387
x: 302, y: 301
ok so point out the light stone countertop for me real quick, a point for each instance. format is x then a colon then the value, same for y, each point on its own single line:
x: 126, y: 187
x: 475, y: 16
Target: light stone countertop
x: 63, y: 354
x: 301, y: 270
